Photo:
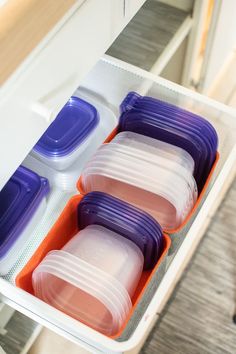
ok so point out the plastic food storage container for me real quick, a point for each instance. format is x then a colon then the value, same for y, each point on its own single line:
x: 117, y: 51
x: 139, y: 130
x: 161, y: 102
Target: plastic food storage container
x: 92, y: 278
x: 23, y: 201
x: 164, y: 121
x: 146, y: 174
x: 121, y: 217
x: 68, y: 135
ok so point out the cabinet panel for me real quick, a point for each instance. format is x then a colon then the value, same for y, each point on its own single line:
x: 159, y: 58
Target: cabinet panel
x: 35, y: 93
x: 132, y: 6
x: 110, y: 80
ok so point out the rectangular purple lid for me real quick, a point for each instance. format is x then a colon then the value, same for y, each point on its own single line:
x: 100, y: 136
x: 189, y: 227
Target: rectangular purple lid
x: 176, y: 113
x: 130, y: 222
x: 19, y: 198
x: 71, y: 127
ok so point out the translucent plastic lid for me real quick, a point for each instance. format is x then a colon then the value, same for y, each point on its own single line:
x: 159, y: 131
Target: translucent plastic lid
x: 95, y: 276
x: 159, y: 207
x: 72, y: 126
x: 134, y: 100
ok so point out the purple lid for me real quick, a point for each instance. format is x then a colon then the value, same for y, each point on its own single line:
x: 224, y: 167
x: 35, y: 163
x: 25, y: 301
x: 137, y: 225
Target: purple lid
x: 164, y: 121
x: 20, y: 198
x: 71, y: 127
x: 129, y: 221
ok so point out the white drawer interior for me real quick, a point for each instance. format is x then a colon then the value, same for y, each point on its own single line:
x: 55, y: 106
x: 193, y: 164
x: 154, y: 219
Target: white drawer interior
x: 108, y: 83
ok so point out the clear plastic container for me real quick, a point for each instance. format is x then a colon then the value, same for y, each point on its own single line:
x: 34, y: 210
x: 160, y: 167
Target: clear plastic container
x: 109, y: 252
x: 160, y: 181
x: 68, y: 135
x: 73, y: 290
x: 115, y: 151
x: 143, y: 197
x: 123, y: 218
x: 152, y: 166
x: 92, y: 278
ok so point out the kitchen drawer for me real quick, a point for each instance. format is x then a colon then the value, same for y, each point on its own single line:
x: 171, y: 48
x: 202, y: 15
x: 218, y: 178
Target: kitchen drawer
x: 109, y: 81
x: 38, y: 87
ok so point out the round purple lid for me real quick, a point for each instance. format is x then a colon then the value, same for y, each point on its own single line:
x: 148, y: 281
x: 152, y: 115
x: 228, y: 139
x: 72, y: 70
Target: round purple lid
x: 71, y: 127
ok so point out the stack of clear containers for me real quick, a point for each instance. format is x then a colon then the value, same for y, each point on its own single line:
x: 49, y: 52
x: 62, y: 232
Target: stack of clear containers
x: 22, y: 205
x: 94, y: 277
x: 148, y: 173
x: 68, y: 136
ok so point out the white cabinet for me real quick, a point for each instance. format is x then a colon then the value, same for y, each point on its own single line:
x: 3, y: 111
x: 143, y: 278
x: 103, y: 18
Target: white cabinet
x: 131, y: 7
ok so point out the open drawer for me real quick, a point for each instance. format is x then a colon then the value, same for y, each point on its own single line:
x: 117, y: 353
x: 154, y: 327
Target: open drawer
x: 109, y: 82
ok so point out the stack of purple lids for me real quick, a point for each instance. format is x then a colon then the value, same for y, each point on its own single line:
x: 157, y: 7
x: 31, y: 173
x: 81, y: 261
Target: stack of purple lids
x: 174, y: 125
x: 68, y: 135
x: 128, y: 221
x: 21, y: 208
